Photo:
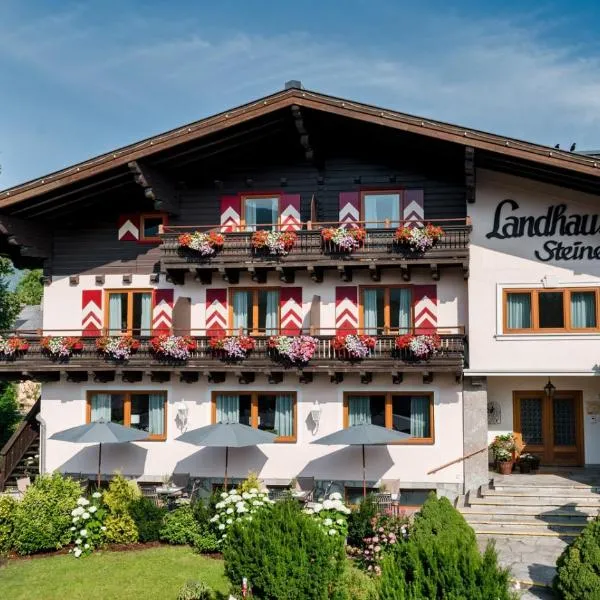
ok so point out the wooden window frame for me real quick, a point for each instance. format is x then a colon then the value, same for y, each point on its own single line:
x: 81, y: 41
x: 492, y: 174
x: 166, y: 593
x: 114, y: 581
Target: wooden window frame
x: 129, y: 293
x: 254, y: 410
x: 387, y: 329
x: 127, y: 408
x: 152, y: 240
x: 534, y: 294
x: 381, y: 192
x: 253, y: 196
x: 428, y: 441
x: 255, y: 290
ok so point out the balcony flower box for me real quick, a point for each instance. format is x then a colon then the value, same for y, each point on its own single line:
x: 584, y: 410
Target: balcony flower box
x: 343, y: 239
x: 353, y: 347
x: 200, y: 245
x: 273, y: 243
x: 292, y: 351
x: 173, y: 348
x: 417, y: 239
x: 416, y: 347
x: 233, y: 348
x: 119, y: 348
x: 12, y: 347
x: 59, y: 348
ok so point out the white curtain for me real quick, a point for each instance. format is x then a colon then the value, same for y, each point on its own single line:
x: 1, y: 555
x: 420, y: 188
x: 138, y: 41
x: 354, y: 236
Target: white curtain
x: 271, y: 318
x: 583, y: 309
x: 359, y: 410
x: 228, y: 409
x: 101, y: 407
x: 250, y: 215
x: 370, y: 311
x: 379, y: 207
x: 146, y: 318
x: 284, y: 415
x: 115, y: 315
x: 240, y: 311
x: 419, y: 416
x: 156, y: 410
x: 519, y: 311
x: 404, y: 312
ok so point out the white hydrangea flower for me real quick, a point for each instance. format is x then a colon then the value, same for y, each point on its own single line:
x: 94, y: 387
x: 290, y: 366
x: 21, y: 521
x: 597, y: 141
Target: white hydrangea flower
x: 83, y: 501
x: 340, y: 521
x: 103, y: 528
x: 86, y: 546
x: 219, y: 505
x: 77, y: 552
x: 96, y: 495
x: 224, y: 494
x: 83, y: 533
x: 221, y: 527
x: 92, y: 509
x: 332, y: 532
x: 242, y: 509
x: 246, y: 496
x: 85, y: 515
x: 328, y: 504
x: 229, y: 521
x: 327, y: 522
x: 229, y: 511
x: 335, y: 496
x: 75, y: 519
x: 214, y: 519
x: 254, y: 491
x: 318, y: 507
x: 78, y: 541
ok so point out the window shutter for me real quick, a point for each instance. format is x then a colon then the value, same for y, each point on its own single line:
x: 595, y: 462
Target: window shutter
x: 290, y: 212
x: 182, y: 316
x: 91, y: 312
x: 349, y: 208
x: 128, y: 228
x: 346, y: 309
x: 230, y: 213
x: 425, y: 308
x: 414, y: 206
x: 290, y: 299
x: 216, y: 311
x: 162, y: 312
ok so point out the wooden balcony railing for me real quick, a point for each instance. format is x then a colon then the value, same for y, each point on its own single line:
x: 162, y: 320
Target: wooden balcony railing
x: 310, y: 248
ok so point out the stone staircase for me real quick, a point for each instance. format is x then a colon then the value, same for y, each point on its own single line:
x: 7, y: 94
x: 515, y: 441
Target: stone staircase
x: 532, y: 518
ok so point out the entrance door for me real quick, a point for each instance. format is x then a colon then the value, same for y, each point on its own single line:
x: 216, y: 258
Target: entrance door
x: 552, y: 428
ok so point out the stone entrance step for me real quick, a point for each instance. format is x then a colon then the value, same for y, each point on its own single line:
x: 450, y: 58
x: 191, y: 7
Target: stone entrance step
x: 543, y: 502
x: 526, y: 529
x: 520, y: 491
x: 569, y: 520
x: 544, y: 510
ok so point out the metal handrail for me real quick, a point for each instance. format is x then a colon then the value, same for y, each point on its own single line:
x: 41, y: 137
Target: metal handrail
x: 458, y: 460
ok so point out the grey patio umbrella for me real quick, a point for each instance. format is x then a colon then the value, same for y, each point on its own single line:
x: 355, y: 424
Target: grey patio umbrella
x: 362, y: 435
x: 100, y: 432
x: 227, y: 435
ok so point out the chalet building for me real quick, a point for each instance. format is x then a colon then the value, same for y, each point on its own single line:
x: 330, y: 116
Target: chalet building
x: 459, y: 329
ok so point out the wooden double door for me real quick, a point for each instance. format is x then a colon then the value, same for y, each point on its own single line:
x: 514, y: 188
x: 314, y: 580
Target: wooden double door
x: 552, y: 428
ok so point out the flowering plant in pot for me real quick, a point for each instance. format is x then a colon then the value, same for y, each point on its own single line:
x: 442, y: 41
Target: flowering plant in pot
x: 420, y: 347
x: 204, y: 244
x: 528, y: 462
x: 58, y: 347
x: 11, y: 347
x: 344, y: 239
x: 233, y: 347
x: 275, y: 243
x: 417, y: 238
x: 503, y: 448
x: 172, y: 347
x: 353, y: 347
x: 292, y: 351
x: 117, y: 347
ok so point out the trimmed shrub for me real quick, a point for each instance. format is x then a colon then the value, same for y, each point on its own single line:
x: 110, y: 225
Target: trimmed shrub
x: 180, y: 527
x: 360, y: 521
x: 440, y: 559
x: 284, y: 554
x: 121, y: 494
x: 148, y: 519
x: 206, y: 543
x: 195, y: 590
x: 42, y: 520
x: 356, y: 585
x: 8, y: 507
x: 578, y: 567
x: 120, y: 529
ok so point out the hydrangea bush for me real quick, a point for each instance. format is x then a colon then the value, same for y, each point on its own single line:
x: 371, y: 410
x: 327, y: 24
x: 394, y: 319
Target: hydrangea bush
x: 236, y: 505
x: 331, y: 514
x: 88, y: 525
x: 296, y: 350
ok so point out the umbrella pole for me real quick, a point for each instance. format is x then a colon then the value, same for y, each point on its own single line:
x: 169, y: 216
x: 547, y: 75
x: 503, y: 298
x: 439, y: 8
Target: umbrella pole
x: 364, y: 473
x: 226, y: 462
x: 99, y: 463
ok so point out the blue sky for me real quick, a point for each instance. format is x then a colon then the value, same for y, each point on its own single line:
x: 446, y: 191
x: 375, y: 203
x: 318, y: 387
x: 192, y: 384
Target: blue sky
x: 81, y: 78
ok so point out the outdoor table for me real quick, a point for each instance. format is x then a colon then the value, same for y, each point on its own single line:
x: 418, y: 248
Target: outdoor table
x: 170, y: 493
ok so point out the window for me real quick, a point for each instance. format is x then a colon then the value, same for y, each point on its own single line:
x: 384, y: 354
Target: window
x: 255, y: 311
x: 129, y: 312
x: 269, y: 411
x: 261, y: 212
x: 385, y: 309
x: 145, y: 411
x: 551, y: 311
x: 380, y: 207
x: 149, y: 227
x: 414, y: 498
x: 409, y: 413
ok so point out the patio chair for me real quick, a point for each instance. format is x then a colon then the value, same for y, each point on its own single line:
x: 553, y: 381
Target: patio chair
x: 383, y: 501
x: 150, y: 493
x: 306, y: 485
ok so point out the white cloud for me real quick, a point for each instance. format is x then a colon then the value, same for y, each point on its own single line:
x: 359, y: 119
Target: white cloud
x: 496, y: 75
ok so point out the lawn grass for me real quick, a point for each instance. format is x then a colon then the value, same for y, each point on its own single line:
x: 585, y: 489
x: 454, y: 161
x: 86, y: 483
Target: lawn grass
x: 144, y: 574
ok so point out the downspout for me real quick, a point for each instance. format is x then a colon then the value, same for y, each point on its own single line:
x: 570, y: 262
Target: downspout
x: 42, y: 423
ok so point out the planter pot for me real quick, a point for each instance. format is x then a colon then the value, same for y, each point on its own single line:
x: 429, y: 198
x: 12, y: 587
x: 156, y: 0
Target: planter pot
x: 525, y: 467
x: 505, y: 467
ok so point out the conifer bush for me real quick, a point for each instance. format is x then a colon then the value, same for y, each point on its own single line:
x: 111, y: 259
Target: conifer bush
x: 578, y: 567
x: 285, y: 555
x: 8, y: 507
x: 148, y: 519
x: 440, y: 559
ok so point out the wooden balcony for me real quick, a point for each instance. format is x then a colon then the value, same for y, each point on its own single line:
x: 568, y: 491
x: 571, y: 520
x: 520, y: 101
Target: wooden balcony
x: 311, y: 253
x: 88, y: 364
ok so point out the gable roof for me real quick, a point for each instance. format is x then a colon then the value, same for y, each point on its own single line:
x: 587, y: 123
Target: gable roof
x: 537, y: 153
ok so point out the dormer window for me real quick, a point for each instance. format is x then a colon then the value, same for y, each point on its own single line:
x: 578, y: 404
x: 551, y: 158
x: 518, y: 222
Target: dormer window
x: 260, y: 212
x: 150, y: 227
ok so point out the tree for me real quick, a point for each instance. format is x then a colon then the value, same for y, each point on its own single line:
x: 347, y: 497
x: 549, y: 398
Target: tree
x: 9, y: 412
x: 29, y: 290
x: 10, y: 305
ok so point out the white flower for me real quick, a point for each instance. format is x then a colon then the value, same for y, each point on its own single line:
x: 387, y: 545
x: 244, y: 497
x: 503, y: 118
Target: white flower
x: 224, y: 494
x: 92, y: 509
x: 318, y: 507
x: 340, y: 521
x: 214, y: 519
x: 254, y: 491
x: 96, y: 495
x: 257, y: 503
x: 332, y: 532
x: 309, y: 511
x: 335, y: 496
x: 83, y: 501
x: 75, y: 519
x: 327, y: 522
x: 103, y: 528
x: 78, y: 541
x: 221, y: 527
x: 72, y: 528
x: 77, y: 512
x: 83, y: 533
x: 229, y: 521
x: 242, y: 509
x: 229, y: 511
x: 219, y: 505
x: 85, y: 515
x: 246, y: 496
x: 86, y: 546
x: 77, y: 552
x: 328, y: 504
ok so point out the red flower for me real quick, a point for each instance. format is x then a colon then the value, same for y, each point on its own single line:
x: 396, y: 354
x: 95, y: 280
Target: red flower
x: 403, y: 341
x: 368, y: 341
x: 259, y: 239
x: 327, y: 233
x: 184, y: 239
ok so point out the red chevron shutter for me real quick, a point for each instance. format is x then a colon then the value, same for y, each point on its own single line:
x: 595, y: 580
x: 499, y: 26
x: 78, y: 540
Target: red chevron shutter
x: 414, y: 206
x: 231, y: 218
x: 216, y: 311
x: 162, y: 312
x: 128, y: 227
x: 346, y: 309
x: 290, y: 299
x: 290, y: 212
x: 349, y: 211
x: 425, y: 308
x: 91, y: 312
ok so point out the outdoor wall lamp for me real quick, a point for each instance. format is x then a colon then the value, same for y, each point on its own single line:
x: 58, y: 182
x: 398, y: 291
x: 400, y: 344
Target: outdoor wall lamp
x: 181, y: 408
x: 549, y: 389
x: 315, y: 412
